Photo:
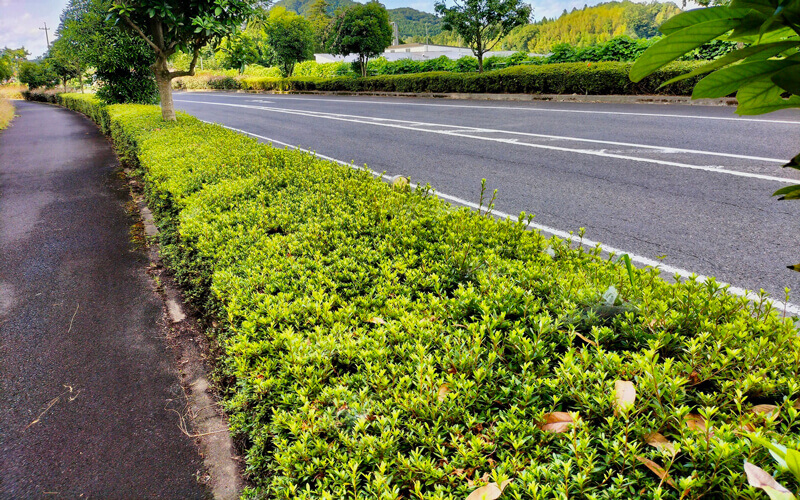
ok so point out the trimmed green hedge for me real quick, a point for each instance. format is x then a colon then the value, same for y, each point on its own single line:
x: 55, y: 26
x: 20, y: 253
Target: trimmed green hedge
x: 376, y: 343
x: 606, y: 78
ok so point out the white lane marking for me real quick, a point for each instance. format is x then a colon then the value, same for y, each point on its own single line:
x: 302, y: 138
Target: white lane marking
x: 417, y: 126
x: 645, y: 261
x: 531, y: 108
x: 461, y: 128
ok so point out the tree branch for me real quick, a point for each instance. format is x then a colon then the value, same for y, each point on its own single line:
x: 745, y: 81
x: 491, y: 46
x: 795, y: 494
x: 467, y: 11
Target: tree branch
x: 140, y: 33
x: 190, y: 72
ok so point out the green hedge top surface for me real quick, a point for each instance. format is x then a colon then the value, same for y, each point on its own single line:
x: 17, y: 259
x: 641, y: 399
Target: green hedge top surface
x: 605, y: 78
x: 377, y: 343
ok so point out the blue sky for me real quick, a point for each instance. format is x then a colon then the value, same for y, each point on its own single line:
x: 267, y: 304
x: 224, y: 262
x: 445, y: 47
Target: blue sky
x: 20, y: 20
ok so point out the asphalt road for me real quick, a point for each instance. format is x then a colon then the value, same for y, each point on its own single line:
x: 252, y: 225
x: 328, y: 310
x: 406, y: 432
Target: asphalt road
x: 87, y: 382
x: 692, y: 183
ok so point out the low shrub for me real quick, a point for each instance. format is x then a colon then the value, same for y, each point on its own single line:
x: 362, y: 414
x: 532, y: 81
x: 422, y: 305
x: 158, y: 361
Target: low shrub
x: 41, y: 94
x: 568, y: 78
x: 376, y: 343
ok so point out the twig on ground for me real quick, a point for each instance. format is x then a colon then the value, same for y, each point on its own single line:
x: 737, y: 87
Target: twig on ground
x: 73, y: 318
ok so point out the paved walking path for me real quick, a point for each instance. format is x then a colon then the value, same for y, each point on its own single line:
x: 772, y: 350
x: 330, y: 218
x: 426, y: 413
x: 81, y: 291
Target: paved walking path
x: 87, y: 382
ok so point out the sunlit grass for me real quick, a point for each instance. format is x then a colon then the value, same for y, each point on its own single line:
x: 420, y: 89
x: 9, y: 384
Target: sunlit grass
x: 6, y: 113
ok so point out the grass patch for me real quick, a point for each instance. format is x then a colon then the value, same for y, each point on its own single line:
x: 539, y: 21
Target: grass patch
x: 377, y: 343
x: 6, y: 113
x: 12, y: 91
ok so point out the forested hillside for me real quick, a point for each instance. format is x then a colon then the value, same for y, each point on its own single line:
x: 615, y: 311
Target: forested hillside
x: 581, y: 28
x: 412, y: 24
x: 592, y: 25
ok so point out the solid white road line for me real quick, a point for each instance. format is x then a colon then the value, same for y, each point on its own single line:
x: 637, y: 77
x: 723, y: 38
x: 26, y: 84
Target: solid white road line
x: 419, y: 127
x: 526, y: 108
x: 789, y: 307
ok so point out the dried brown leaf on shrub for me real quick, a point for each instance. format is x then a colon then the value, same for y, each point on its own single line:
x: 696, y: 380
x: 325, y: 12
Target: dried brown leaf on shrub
x: 557, y: 422
x: 759, y: 478
x: 658, y: 471
x: 491, y: 491
x: 658, y: 440
x: 768, y: 411
x: 377, y: 320
x: 624, y: 395
x: 695, y: 422
x: 444, y: 390
x: 588, y: 341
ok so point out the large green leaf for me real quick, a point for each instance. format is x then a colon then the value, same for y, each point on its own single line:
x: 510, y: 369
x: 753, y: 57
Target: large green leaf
x: 728, y: 80
x: 763, y: 6
x: 764, y: 51
x: 788, y: 79
x: 675, y: 45
x: 698, y: 16
x: 788, y: 193
x: 763, y: 96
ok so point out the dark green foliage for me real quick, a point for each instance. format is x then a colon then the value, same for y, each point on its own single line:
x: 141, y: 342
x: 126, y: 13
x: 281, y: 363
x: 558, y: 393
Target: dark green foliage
x: 121, y: 61
x: 375, y: 343
x: 236, y: 51
x: 576, y: 78
x: 37, y: 74
x: 360, y: 29
x: 414, y: 25
x: 291, y: 38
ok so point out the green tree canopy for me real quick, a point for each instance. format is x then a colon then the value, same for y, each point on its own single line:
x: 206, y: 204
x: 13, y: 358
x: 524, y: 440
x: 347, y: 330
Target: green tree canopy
x: 87, y: 38
x: 171, y: 25
x: 236, y: 51
x: 291, y: 37
x: 483, y: 23
x: 37, y: 74
x: 360, y: 29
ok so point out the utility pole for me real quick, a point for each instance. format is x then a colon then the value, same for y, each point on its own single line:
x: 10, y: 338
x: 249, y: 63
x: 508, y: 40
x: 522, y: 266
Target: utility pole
x: 46, y: 37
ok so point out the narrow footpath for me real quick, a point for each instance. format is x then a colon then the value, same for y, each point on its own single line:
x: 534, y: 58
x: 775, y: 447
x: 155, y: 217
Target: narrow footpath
x: 87, y: 382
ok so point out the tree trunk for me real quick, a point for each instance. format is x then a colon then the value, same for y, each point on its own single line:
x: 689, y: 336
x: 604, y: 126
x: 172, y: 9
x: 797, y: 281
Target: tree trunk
x: 80, y: 81
x: 480, y: 62
x: 164, y: 83
x: 363, y: 61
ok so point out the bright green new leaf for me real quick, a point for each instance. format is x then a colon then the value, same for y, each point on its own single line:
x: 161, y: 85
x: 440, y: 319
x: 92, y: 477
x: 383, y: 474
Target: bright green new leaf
x: 793, y: 462
x: 763, y: 51
x: 699, y: 16
x: 675, y: 45
x: 788, y: 193
x: 728, y: 80
x: 763, y: 96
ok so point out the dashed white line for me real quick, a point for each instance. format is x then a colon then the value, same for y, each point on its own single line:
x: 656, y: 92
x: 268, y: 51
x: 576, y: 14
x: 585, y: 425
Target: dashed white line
x: 789, y: 307
x: 418, y: 126
x: 529, y: 108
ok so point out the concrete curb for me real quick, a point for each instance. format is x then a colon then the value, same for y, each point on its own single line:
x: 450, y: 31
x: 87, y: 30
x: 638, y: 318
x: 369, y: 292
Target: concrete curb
x: 203, y: 413
x: 604, y: 99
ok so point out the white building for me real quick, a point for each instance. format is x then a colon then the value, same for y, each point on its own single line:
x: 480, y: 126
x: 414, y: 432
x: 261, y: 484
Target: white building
x: 416, y: 52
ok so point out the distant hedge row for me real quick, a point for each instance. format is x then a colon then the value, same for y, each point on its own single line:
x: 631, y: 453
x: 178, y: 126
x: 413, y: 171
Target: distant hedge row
x: 607, y: 78
x: 375, y: 343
